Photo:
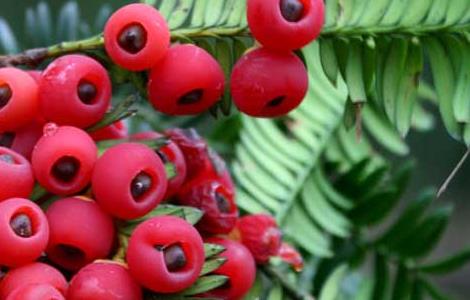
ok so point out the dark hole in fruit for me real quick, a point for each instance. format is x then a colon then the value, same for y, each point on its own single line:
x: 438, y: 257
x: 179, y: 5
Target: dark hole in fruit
x: 70, y: 252
x: 5, y: 95
x: 140, y: 185
x: 66, y: 168
x: 292, y: 10
x: 222, y: 203
x: 3, y: 272
x: 22, y: 225
x: 276, y: 101
x: 175, y: 259
x: 7, y: 158
x: 86, y: 92
x: 162, y: 156
x: 6, y: 139
x: 132, y: 38
x: 191, y: 97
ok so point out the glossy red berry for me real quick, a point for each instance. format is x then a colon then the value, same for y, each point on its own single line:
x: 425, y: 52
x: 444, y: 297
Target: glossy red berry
x: 260, y: 234
x: 215, y: 167
x: 240, y: 268
x: 24, y: 232
x: 165, y: 254
x: 18, y: 99
x: 34, y: 273
x: 215, y: 200
x: 80, y: 232
x: 16, y: 175
x: 170, y: 153
x: 136, y: 37
x: 23, y: 139
x: 104, y: 280
x: 35, y: 292
x: 187, y: 81
x: 129, y: 180
x: 36, y: 75
x: 268, y: 84
x: 75, y: 90
x: 285, y: 24
x: 114, y: 131
x: 291, y: 256
x: 63, y: 159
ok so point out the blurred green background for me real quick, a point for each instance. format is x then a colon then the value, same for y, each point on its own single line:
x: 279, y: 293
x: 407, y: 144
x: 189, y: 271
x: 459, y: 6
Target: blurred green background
x: 435, y: 152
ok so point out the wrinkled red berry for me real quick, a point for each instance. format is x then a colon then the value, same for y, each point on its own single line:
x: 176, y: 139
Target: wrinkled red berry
x: 16, y: 175
x: 114, y: 131
x: 35, y: 292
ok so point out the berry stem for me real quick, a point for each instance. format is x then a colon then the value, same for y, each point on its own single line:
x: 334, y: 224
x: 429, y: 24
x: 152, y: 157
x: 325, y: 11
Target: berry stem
x: 293, y: 291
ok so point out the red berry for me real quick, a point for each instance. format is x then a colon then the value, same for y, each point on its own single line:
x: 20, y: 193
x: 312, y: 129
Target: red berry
x: 75, y: 90
x: 240, y: 268
x: 136, y: 37
x: 80, y: 232
x: 129, y: 180
x: 35, y: 292
x: 285, y: 24
x: 268, y: 84
x: 215, y: 167
x: 114, y: 131
x: 170, y: 153
x: 16, y: 175
x: 104, y: 280
x: 260, y: 234
x: 63, y: 159
x: 36, y: 75
x: 23, y: 139
x: 24, y: 232
x: 187, y: 81
x: 165, y: 254
x: 291, y: 256
x: 35, y: 273
x: 18, y: 99
x: 215, y: 200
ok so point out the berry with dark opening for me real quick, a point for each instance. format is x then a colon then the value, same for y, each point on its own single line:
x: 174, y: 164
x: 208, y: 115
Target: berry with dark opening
x: 136, y: 37
x: 163, y: 261
x: 75, y: 90
x: 257, y: 93
x: 114, y: 131
x: 285, y: 25
x: 16, y: 175
x: 80, y: 232
x: 24, y: 139
x: 187, y: 81
x: 35, y: 292
x: 24, y: 232
x: 129, y: 180
x: 18, y: 99
x: 63, y: 159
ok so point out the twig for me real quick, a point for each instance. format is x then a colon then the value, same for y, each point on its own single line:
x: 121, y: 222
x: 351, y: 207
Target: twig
x: 446, y: 183
x: 293, y: 291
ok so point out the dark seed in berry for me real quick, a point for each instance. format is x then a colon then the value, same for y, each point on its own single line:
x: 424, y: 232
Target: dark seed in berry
x: 140, y: 185
x: 133, y: 38
x: 86, y: 92
x: 5, y: 95
x: 3, y: 272
x: 21, y: 225
x: 222, y: 203
x: 7, y: 158
x: 6, y: 139
x: 66, y: 168
x: 191, y: 97
x: 175, y: 259
x: 292, y: 10
x: 276, y: 101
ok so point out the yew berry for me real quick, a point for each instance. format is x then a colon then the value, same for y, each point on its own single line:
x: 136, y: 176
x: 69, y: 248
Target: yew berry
x: 291, y: 256
x: 63, y: 159
x: 240, y: 268
x: 285, y: 25
x: 268, y: 84
x: 104, y: 280
x: 215, y: 167
x: 16, y: 175
x: 75, y: 90
x: 129, y: 180
x: 23, y: 139
x: 24, y: 232
x: 136, y: 37
x: 36, y: 75
x: 80, y: 232
x: 165, y: 254
x: 35, y: 292
x: 187, y: 81
x: 18, y: 99
x: 114, y: 131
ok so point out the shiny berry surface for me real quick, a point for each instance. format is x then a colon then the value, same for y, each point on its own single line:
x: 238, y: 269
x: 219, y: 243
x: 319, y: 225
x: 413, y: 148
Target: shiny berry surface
x: 16, y: 175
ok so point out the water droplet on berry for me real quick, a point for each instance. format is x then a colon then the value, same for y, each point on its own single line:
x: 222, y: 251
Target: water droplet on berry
x: 6, y: 139
x: 292, y: 10
x: 132, y: 38
x: 5, y: 95
x: 140, y: 185
x: 66, y: 168
x: 175, y: 258
x: 191, y: 97
x: 86, y: 92
x: 21, y: 225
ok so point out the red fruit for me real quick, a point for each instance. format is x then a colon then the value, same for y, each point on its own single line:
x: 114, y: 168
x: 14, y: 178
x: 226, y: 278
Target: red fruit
x: 80, y: 232
x: 75, y: 90
x: 63, y: 159
x: 114, y: 131
x: 136, y: 37
x: 104, y: 280
x: 285, y: 25
x: 16, y: 175
x: 24, y: 232
x: 170, y: 153
x: 35, y: 292
x: 36, y: 75
x: 129, y: 180
x: 187, y: 81
x: 215, y: 200
x: 215, y: 167
x: 165, y: 254
x: 260, y: 234
x: 35, y: 273
x: 18, y: 99
x: 23, y: 139
x: 268, y: 84
x: 240, y: 268
x: 291, y: 256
